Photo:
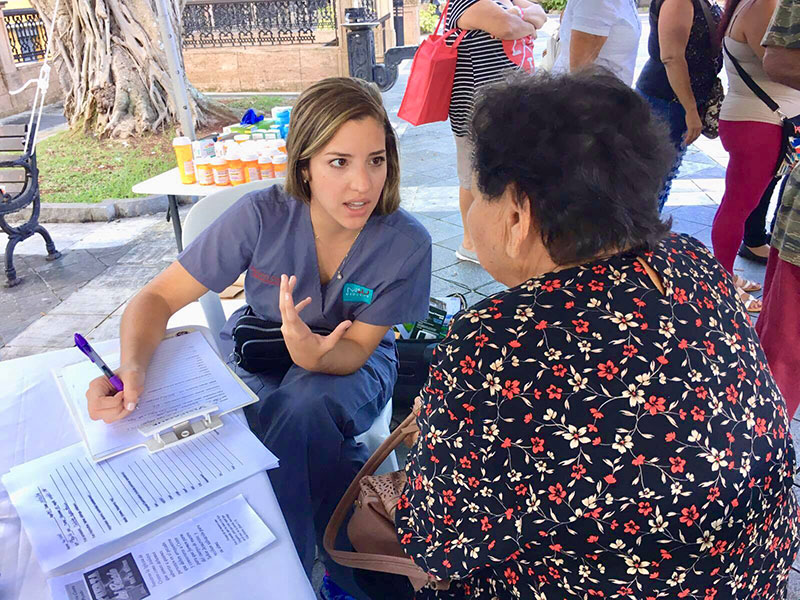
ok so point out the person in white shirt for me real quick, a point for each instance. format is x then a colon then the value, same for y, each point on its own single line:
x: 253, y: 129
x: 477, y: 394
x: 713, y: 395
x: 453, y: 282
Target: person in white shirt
x: 602, y: 32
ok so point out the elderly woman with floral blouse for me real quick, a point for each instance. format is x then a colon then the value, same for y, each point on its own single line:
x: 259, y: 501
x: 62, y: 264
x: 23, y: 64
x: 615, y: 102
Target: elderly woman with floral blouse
x: 607, y: 426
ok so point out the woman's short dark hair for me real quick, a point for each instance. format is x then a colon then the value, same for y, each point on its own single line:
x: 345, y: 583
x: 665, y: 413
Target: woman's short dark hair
x: 585, y: 150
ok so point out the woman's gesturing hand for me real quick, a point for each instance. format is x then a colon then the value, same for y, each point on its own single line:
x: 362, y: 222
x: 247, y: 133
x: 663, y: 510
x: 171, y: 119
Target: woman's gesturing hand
x: 305, y: 347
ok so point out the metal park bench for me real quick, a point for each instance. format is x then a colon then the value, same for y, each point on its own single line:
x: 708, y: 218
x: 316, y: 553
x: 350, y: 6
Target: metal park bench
x: 19, y: 187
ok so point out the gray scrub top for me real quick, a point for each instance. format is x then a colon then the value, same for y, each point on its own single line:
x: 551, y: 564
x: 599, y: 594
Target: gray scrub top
x: 385, y: 280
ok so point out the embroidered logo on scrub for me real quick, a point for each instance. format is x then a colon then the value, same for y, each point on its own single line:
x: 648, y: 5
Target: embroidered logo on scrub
x: 357, y: 293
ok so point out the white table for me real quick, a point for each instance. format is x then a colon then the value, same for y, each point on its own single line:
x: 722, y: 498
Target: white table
x: 35, y: 421
x: 169, y: 183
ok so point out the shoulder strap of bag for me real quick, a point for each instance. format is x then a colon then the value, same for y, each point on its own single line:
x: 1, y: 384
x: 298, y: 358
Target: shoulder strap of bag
x: 712, y: 24
x: 756, y: 89
x: 363, y: 560
x: 442, y: 18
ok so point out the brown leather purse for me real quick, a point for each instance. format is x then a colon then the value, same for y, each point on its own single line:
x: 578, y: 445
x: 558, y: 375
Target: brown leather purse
x: 371, y: 528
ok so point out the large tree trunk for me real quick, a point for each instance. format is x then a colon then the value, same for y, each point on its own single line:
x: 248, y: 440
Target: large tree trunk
x: 113, y: 69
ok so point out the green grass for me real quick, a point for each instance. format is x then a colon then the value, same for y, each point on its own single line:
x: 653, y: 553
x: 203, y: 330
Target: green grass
x: 75, y: 167
x: 261, y: 104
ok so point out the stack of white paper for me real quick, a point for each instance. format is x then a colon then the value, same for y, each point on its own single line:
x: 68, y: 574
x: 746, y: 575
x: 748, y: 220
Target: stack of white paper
x: 185, y: 376
x: 173, y: 561
x: 69, y: 504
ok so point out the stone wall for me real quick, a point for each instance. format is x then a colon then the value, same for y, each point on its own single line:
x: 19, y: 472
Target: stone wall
x: 261, y: 68
x: 14, y: 79
x: 14, y: 75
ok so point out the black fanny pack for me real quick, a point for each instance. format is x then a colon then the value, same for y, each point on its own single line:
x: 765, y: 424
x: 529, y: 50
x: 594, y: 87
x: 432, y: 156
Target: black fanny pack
x: 258, y: 344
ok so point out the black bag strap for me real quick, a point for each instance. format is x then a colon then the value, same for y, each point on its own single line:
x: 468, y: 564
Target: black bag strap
x: 754, y: 87
x: 712, y: 24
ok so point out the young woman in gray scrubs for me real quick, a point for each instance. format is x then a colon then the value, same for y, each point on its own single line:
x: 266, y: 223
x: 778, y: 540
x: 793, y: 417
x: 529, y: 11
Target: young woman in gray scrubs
x: 332, y: 249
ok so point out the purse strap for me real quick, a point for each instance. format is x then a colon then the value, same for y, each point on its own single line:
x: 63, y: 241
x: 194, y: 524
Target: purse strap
x: 712, y: 24
x: 364, y: 560
x: 754, y: 87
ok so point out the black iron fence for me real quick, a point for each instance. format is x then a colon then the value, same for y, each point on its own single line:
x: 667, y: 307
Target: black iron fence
x: 27, y: 34
x: 211, y: 23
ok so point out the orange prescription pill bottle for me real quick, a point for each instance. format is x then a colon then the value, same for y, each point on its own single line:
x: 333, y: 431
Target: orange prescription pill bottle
x: 205, y: 175
x: 220, y: 167
x: 280, y: 144
x: 279, y: 164
x: 250, y: 166
x: 235, y: 170
x: 265, y: 167
x: 183, y: 152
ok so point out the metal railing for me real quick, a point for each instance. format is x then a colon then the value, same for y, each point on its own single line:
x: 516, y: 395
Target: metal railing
x: 213, y: 23
x: 27, y: 34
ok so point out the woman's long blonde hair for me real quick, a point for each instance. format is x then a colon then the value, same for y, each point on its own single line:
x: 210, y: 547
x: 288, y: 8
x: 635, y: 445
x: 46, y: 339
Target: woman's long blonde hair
x: 319, y: 113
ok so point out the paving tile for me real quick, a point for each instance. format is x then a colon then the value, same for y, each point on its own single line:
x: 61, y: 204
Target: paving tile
x: 417, y: 179
x: 681, y: 225
x: 109, y: 256
x: 12, y: 352
x: 107, y: 330
x: 684, y: 185
x: 794, y: 427
x: 437, y: 202
x: 150, y: 252
x: 117, y: 233
x: 455, y: 219
x: 685, y: 199
x: 793, y: 589
x: 704, y: 236
x: 440, y: 230
x: 707, y: 172
x: 710, y: 184
x: 442, y: 257
x: 31, y: 285
x: 441, y: 287
x: 442, y: 215
x: 55, y: 331
x: 703, y: 214
x: 70, y: 272
x: 126, y: 276
x: 473, y: 298
x: 465, y: 273
x: 18, y: 313
x: 451, y: 243
x: 491, y: 288
x: 95, y: 300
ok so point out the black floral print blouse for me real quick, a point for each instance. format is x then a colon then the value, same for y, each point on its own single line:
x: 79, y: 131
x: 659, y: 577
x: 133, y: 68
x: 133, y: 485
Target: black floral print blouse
x: 585, y: 436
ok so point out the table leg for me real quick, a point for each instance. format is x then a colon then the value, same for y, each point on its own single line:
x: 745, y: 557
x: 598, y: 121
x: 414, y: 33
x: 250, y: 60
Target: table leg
x: 172, y: 213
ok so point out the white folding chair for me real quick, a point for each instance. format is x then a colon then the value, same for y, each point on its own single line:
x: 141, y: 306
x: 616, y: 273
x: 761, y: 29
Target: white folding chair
x: 200, y: 216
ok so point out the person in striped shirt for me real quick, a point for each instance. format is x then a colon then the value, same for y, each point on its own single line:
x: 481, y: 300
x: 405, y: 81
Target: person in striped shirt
x: 482, y: 59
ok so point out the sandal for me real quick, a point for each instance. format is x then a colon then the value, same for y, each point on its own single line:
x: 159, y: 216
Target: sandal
x: 751, y: 303
x: 746, y: 285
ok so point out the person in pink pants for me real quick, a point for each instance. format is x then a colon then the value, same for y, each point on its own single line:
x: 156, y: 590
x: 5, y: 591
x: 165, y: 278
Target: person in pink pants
x: 750, y: 131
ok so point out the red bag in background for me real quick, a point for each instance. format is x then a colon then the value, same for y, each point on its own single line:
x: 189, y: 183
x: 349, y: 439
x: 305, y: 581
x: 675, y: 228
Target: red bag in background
x: 430, y: 84
x: 520, y: 52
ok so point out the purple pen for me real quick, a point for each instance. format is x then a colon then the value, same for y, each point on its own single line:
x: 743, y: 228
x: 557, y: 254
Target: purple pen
x: 84, y: 347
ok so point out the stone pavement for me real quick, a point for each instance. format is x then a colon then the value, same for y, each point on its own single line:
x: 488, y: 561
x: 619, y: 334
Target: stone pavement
x: 105, y: 264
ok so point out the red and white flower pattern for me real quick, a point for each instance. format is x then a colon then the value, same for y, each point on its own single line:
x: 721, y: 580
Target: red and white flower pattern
x: 585, y: 436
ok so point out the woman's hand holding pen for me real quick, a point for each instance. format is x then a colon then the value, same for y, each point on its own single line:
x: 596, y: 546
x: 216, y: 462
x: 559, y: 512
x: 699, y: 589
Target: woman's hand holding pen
x: 109, y: 405
x: 305, y: 347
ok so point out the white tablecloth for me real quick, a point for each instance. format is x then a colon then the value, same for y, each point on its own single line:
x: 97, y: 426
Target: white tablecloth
x: 35, y: 421
x: 169, y: 183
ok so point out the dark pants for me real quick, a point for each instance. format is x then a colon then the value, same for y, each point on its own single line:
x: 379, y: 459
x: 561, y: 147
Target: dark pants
x: 309, y: 421
x: 674, y: 117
